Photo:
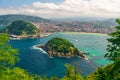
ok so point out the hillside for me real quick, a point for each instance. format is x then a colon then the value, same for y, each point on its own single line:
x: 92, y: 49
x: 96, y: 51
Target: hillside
x: 7, y: 19
x: 61, y: 47
x: 21, y: 28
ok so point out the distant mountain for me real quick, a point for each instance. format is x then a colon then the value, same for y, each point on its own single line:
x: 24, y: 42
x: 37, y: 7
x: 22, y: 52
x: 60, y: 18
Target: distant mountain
x: 108, y: 22
x: 8, y: 19
x: 84, y: 19
x: 81, y: 19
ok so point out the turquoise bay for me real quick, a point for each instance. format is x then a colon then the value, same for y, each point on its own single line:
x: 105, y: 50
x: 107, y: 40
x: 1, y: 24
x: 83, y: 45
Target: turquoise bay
x: 35, y: 61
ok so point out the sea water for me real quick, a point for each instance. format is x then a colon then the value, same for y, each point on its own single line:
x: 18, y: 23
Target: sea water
x: 38, y: 62
x: 1, y: 27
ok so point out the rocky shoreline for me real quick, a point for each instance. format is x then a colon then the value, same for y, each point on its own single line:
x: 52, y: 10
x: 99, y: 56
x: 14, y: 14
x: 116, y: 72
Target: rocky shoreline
x: 53, y: 53
x: 30, y: 36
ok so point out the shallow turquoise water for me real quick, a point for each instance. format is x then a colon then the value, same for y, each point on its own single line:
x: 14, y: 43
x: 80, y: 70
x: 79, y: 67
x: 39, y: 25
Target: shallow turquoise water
x: 37, y: 62
x: 1, y: 27
x: 95, y: 44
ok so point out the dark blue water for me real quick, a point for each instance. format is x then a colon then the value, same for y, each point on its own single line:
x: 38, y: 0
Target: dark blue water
x: 37, y: 62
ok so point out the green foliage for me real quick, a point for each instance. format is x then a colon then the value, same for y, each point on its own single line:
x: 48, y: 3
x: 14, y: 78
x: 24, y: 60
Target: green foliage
x: 61, y: 45
x: 3, y: 38
x: 15, y: 74
x: 111, y: 71
x: 114, y: 44
x: 8, y: 55
x: 71, y: 74
x: 21, y: 28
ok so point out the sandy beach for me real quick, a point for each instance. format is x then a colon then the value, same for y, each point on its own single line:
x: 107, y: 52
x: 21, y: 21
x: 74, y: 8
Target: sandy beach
x: 83, y: 33
x: 45, y: 35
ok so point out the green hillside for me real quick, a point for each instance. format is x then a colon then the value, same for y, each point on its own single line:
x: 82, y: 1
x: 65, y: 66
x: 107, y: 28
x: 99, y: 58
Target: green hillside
x: 61, y: 47
x: 8, y: 19
x: 21, y: 28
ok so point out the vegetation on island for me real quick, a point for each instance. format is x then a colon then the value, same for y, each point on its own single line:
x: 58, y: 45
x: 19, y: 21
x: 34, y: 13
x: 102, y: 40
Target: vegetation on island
x: 9, y: 55
x: 61, y: 47
x: 21, y: 28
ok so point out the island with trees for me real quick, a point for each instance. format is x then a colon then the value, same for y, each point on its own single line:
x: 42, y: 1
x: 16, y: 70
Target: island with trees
x: 61, y: 47
x: 9, y: 56
x: 21, y: 29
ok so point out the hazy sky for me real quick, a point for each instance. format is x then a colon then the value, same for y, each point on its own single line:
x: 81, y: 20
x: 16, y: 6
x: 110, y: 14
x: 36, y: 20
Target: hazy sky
x: 62, y: 8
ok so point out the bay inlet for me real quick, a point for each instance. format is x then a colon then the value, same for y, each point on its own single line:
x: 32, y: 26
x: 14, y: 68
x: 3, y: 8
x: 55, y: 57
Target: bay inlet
x: 36, y: 61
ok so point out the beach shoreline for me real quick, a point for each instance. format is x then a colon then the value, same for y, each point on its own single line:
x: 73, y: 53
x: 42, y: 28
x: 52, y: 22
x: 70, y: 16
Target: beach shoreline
x: 48, y: 34
x: 30, y: 36
x: 83, y: 33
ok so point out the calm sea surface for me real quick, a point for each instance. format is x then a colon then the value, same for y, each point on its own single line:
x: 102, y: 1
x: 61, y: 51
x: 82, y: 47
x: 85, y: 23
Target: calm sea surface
x: 35, y: 61
x: 1, y: 27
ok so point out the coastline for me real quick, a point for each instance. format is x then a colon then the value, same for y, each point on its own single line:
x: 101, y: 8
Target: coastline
x: 41, y: 48
x: 43, y: 35
x: 16, y: 37
x: 83, y: 33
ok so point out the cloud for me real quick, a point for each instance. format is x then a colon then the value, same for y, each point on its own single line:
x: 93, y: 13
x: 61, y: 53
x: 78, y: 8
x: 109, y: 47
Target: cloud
x: 69, y: 8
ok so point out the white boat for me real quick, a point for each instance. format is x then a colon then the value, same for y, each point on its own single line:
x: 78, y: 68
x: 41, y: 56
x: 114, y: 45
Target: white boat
x: 76, y: 40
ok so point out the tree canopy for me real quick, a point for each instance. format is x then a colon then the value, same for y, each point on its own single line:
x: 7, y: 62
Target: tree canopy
x: 112, y: 70
x: 8, y: 57
x: 62, y: 46
x: 21, y: 28
x: 114, y: 44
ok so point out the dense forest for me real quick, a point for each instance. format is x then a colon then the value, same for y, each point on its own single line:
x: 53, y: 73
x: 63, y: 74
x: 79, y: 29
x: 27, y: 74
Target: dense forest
x: 9, y: 56
x: 20, y: 28
x: 8, y: 19
x: 61, y: 47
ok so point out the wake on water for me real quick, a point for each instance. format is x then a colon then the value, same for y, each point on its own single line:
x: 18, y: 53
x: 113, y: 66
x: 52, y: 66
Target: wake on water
x: 34, y: 47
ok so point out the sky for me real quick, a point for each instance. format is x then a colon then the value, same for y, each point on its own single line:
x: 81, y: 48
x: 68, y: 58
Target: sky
x: 62, y: 8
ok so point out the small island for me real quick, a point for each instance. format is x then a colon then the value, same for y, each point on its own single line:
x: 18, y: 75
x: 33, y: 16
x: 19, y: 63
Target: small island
x: 21, y: 29
x: 61, y: 47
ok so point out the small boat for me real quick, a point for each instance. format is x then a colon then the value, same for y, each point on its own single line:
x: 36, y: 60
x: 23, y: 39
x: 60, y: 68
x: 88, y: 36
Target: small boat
x: 76, y: 40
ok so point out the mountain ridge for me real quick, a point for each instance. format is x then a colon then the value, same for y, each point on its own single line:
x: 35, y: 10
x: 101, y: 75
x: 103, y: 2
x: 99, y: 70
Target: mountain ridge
x: 9, y: 18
